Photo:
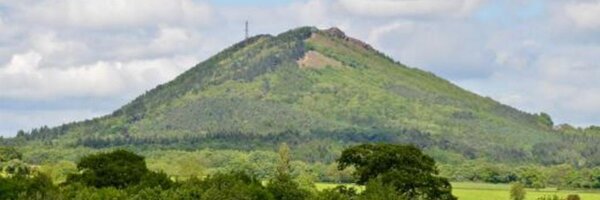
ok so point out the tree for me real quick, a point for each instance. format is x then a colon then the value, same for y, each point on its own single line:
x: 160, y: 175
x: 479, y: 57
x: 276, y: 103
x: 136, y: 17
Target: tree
x: 283, y: 166
x: 517, y: 191
x: 282, y: 186
x: 533, y: 177
x: 411, y: 173
x: 545, y: 119
x: 119, y: 169
x: 21, y: 133
x: 376, y: 190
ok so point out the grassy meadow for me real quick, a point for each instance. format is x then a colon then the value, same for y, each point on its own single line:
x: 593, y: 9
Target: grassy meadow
x: 486, y: 191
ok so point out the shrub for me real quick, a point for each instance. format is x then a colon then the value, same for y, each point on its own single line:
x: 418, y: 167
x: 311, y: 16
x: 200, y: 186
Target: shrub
x: 517, y: 191
x: 573, y: 197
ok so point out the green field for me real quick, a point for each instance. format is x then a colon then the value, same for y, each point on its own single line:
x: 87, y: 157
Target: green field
x: 478, y: 191
x: 322, y: 186
x: 486, y: 191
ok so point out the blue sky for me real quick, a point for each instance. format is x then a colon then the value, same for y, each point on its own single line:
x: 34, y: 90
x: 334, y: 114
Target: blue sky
x: 68, y: 60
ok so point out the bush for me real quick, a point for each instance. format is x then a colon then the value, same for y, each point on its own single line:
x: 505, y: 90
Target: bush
x: 236, y: 185
x: 517, y: 191
x: 284, y: 188
x: 337, y: 193
x: 39, y: 186
x: 573, y: 197
x: 549, y: 197
x: 156, y: 180
x: 9, y: 153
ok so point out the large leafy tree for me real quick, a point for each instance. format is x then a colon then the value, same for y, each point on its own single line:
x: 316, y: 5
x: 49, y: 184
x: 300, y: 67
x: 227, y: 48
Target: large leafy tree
x: 404, y: 167
x: 119, y: 169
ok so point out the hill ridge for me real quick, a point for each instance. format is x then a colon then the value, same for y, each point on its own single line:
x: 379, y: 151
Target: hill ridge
x: 256, y: 93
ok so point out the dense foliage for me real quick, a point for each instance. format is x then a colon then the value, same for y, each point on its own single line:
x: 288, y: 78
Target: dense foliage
x: 117, y: 169
x: 9, y: 153
x: 122, y: 174
x: 406, y: 169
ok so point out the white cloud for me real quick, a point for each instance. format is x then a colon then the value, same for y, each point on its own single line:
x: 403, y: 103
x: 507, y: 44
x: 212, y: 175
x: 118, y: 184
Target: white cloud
x: 23, y: 78
x: 314, y: 12
x: 23, y: 64
x: 56, y: 51
x: 561, y: 81
x: 114, y: 13
x: 451, y: 49
x: 170, y: 38
x: 584, y: 14
x: 49, y: 44
x: 384, y: 8
x: 376, y: 33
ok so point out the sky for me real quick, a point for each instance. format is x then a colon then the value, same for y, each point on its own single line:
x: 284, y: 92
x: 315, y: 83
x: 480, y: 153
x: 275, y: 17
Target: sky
x: 69, y: 60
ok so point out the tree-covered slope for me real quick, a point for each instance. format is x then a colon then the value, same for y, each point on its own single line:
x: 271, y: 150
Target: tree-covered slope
x: 318, y: 90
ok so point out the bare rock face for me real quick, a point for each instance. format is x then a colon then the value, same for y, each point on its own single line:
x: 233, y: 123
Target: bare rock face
x: 336, y: 32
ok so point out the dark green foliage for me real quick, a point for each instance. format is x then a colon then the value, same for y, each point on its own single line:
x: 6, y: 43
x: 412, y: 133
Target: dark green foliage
x: 118, y: 169
x: 116, y: 175
x: 237, y: 185
x: 376, y: 190
x: 15, y: 167
x: 81, y: 192
x: 38, y: 186
x: 545, y: 119
x: 9, y: 153
x: 412, y: 173
x: 284, y: 188
x: 156, y: 179
x: 337, y: 193
x: 372, y: 160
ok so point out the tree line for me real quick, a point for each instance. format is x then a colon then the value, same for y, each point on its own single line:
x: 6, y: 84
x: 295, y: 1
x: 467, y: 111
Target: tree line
x: 387, y: 172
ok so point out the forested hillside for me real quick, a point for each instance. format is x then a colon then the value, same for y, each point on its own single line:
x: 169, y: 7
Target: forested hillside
x: 319, y: 91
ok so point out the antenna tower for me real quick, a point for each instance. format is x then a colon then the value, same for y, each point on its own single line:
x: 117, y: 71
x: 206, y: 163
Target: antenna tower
x: 246, y: 29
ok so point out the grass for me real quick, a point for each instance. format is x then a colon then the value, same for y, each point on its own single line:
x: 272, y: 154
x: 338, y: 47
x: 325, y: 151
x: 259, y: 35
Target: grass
x: 323, y: 186
x: 479, y: 191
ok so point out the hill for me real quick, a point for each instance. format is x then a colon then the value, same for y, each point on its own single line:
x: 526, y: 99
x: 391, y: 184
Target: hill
x: 320, y: 90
